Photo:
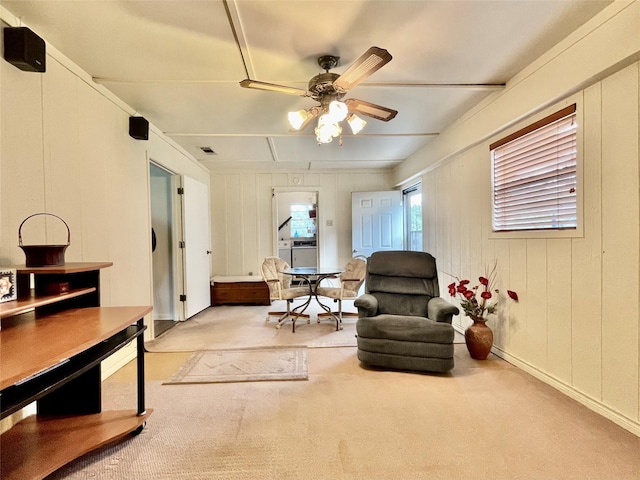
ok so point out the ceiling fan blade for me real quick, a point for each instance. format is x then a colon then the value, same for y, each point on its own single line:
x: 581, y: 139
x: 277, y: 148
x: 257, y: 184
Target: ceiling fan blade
x: 272, y: 87
x: 371, y: 109
x: 369, y: 62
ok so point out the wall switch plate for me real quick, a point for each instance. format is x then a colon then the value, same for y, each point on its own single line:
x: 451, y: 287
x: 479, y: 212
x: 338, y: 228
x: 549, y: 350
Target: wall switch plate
x: 329, y: 223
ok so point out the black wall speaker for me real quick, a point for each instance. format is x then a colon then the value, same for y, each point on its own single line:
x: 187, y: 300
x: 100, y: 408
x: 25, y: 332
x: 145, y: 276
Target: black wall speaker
x: 139, y: 128
x: 24, y: 49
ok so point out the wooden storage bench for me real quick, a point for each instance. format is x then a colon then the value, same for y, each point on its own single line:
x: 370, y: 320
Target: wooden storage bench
x: 239, y: 290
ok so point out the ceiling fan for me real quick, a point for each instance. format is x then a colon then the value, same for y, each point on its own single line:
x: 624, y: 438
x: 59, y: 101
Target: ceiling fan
x: 328, y: 89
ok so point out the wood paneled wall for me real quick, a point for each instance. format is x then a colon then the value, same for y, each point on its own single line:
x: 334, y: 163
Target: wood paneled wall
x: 577, y: 323
x: 242, y: 217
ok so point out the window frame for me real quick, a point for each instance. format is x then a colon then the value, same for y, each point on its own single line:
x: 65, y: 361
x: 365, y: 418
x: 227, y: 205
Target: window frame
x: 407, y: 193
x: 542, y: 119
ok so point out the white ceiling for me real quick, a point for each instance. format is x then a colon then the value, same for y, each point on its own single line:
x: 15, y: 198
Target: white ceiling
x: 179, y: 64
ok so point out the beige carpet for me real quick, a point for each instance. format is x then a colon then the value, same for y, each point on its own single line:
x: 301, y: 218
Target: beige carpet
x: 484, y: 420
x: 242, y: 326
x: 243, y: 365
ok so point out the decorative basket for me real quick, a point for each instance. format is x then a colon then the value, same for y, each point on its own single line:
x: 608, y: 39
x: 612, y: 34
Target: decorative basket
x: 44, y: 255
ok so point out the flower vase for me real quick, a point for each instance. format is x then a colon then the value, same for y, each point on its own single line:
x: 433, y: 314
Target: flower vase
x: 479, y: 338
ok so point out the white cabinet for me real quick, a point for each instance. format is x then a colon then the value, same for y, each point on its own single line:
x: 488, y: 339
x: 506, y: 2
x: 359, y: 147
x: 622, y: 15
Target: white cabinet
x: 284, y: 250
x: 304, y: 257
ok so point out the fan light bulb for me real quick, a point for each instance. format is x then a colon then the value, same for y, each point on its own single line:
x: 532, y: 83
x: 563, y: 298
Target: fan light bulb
x: 356, y: 123
x: 327, y: 129
x: 297, y: 119
x: 338, y: 111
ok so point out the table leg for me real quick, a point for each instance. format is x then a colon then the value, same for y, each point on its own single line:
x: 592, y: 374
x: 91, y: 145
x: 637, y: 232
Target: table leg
x: 337, y: 318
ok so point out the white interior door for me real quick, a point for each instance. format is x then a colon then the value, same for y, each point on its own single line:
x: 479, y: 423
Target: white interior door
x: 196, y: 247
x: 377, y: 222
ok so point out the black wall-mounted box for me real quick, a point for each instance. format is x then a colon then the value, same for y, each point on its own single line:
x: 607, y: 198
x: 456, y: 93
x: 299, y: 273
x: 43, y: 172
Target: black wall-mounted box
x: 24, y: 49
x: 139, y: 128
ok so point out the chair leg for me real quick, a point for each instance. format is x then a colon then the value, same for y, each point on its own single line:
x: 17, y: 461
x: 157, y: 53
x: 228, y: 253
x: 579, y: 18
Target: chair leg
x: 275, y: 314
x: 286, y: 315
x: 341, y: 313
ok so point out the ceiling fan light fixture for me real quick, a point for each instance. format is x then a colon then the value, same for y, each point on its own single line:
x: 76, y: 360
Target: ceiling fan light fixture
x: 327, y: 129
x: 356, y: 123
x: 338, y: 110
x: 297, y: 119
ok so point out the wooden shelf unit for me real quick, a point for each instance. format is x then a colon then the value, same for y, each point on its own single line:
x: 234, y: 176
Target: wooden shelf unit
x: 52, y: 348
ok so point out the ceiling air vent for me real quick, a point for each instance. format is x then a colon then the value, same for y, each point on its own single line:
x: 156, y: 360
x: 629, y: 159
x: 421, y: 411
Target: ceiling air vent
x: 208, y: 150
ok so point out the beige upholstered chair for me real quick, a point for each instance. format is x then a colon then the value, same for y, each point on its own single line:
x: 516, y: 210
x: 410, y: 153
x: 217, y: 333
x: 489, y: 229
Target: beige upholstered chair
x: 350, y: 282
x: 280, y: 288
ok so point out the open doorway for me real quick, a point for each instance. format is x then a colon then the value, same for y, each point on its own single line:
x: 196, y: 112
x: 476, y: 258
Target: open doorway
x: 296, y: 227
x: 162, y: 187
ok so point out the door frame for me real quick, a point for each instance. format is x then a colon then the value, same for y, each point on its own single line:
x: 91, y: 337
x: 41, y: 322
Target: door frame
x: 407, y: 194
x: 176, y: 227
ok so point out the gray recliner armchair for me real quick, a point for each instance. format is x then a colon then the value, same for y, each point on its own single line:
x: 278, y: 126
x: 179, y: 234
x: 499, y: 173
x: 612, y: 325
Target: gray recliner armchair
x: 403, y: 323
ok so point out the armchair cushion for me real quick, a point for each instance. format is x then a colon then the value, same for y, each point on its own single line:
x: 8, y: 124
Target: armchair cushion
x: 402, y: 304
x: 405, y: 329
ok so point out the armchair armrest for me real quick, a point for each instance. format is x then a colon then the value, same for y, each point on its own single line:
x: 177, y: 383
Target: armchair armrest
x: 367, y: 305
x: 274, y: 283
x: 440, y: 310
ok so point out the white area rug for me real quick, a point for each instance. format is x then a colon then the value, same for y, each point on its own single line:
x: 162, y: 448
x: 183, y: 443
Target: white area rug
x: 243, y: 326
x: 243, y: 365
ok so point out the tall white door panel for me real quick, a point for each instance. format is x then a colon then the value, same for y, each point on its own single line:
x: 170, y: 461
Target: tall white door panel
x: 376, y: 222
x: 196, y: 247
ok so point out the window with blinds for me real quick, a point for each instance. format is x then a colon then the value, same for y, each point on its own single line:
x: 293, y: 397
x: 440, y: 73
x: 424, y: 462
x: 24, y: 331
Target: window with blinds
x: 534, y: 176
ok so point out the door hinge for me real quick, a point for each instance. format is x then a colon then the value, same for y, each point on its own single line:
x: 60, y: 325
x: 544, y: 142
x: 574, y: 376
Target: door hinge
x: 180, y: 191
x: 183, y: 298
x: 181, y: 244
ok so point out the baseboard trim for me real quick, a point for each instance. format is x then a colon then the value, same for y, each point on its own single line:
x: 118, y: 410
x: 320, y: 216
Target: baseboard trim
x: 592, y: 404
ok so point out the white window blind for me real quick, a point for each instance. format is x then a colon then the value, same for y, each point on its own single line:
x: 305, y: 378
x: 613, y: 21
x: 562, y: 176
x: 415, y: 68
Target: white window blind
x: 534, y: 176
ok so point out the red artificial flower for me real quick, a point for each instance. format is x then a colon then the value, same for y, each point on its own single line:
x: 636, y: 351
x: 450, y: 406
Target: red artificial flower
x: 512, y: 295
x: 464, y: 282
x: 486, y: 295
x: 484, y: 281
x: 461, y: 288
x: 452, y: 289
x: 468, y: 294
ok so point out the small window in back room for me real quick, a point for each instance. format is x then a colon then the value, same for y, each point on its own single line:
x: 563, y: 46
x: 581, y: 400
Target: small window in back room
x: 534, y: 176
x: 303, y: 220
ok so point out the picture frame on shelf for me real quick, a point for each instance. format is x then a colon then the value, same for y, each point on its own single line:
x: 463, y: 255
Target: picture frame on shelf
x: 8, y: 287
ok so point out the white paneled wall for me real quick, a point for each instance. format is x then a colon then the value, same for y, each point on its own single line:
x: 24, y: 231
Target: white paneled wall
x: 65, y: 149
x: 577, y: 324
x: 242, y: 217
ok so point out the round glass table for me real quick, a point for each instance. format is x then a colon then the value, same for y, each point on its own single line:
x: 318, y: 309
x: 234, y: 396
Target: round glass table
x: 312, y: 276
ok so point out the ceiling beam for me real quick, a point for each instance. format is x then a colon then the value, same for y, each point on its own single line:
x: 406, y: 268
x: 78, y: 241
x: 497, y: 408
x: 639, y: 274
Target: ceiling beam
x: 185, y: 134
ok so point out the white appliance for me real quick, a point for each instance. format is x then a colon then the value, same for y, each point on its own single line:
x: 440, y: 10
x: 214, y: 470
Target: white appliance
x: 284, y: 250
x: 304, y: 257
x: 304, y: 252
